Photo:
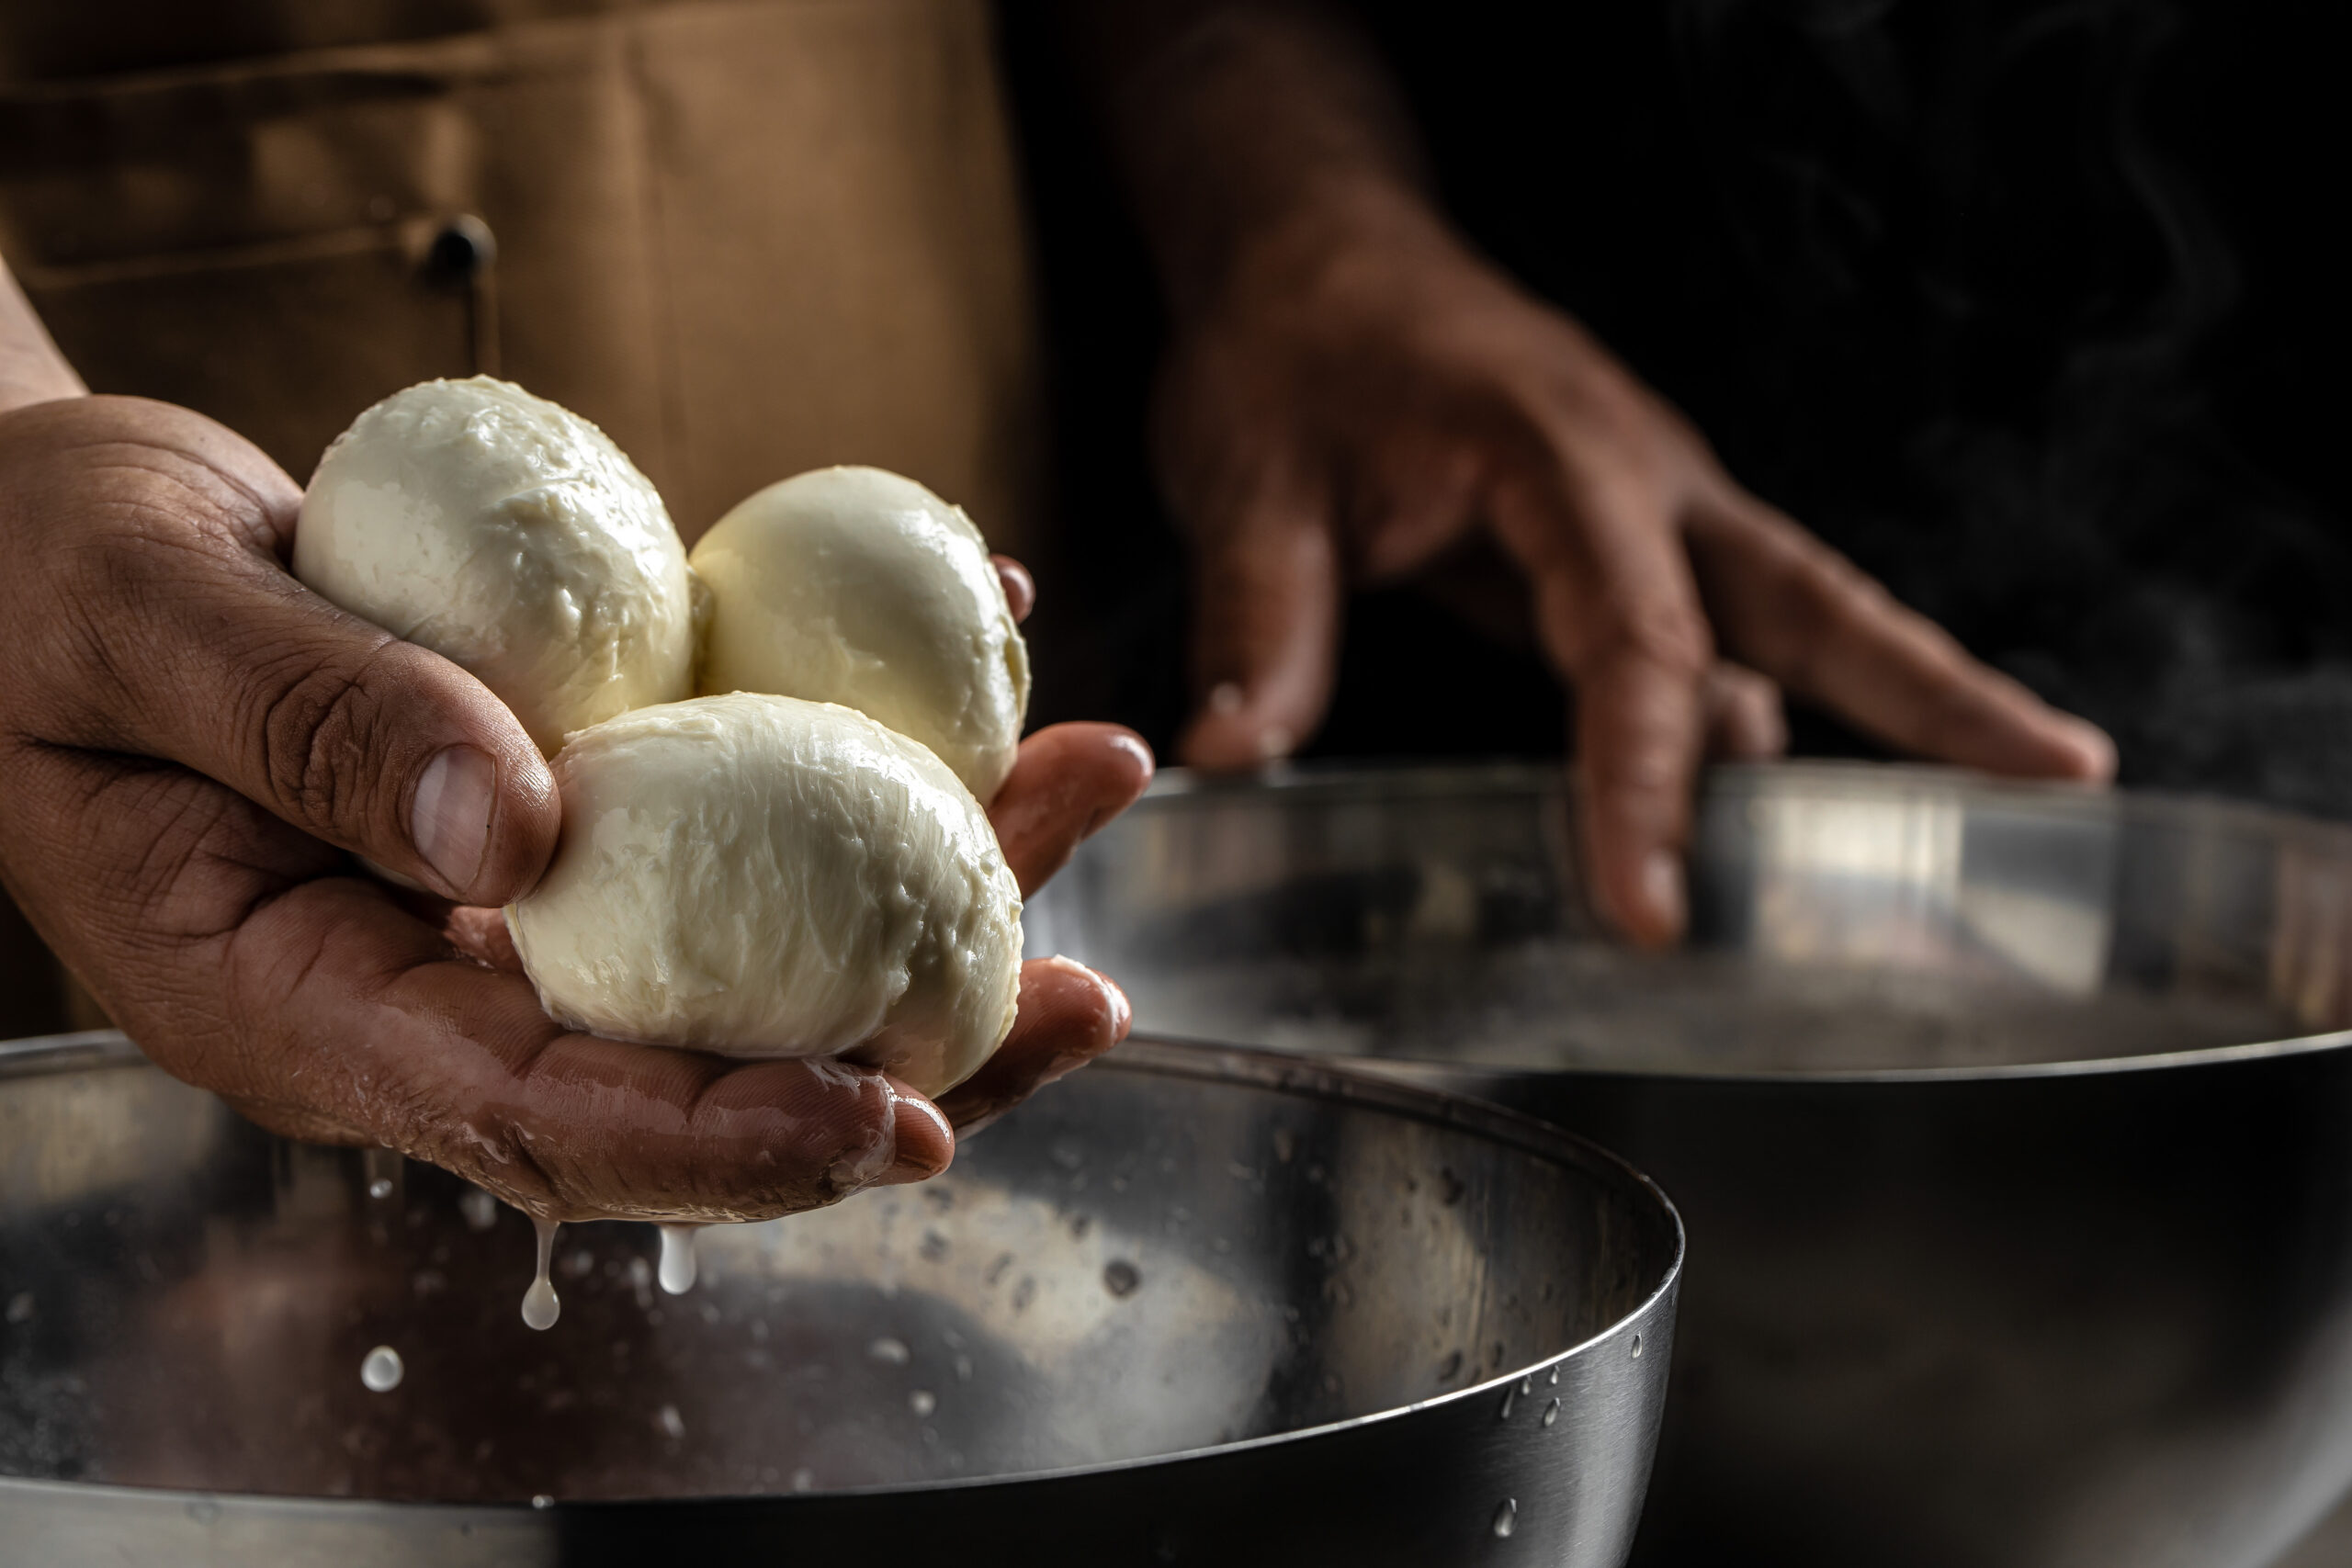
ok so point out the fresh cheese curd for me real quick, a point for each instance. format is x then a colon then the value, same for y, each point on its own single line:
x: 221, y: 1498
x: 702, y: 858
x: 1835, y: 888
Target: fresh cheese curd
x: 514, y: 538
x: 856, y: 586
x: 764, y: 876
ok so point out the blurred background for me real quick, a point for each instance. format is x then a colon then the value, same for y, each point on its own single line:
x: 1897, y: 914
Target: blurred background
x: 2024, y: 306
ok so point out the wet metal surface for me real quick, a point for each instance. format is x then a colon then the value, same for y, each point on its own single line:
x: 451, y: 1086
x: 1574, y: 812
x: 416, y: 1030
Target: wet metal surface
x: 1364, y: 1316
x: 2008, y: 1122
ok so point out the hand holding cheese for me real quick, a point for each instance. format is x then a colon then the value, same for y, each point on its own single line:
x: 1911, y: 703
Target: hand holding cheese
x: 513, y: 537
x: 856, y: 586
x: 799, y: 867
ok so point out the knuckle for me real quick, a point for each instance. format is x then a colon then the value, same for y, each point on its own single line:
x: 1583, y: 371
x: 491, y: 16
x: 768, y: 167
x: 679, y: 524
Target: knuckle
x: 1671, y: 637
x: 316, y: 731
x: 1643, y: 772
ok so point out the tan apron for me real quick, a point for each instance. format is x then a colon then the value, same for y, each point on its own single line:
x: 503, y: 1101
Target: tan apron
x: 747, y: 237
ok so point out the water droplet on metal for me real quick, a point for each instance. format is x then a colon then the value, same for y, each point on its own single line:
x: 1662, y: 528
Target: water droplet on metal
x: 542, y: 1501
x: 923, y: 1402
x: 1121, y: 1277
x: 1507, y: 1516
x: 890, y: 1352
x: 673, y: 1425
x: 381, y: 1370
x: 1637, y: 1347
x: 381, y: 1189
x: 1552, y: 1413
x: 1555, y: 1379
x: 1510, y: 1402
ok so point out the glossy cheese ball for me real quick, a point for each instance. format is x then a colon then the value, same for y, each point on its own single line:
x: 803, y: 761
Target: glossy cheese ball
x: 512, y: 537
x: 762, y: 877
x: 856, y: 586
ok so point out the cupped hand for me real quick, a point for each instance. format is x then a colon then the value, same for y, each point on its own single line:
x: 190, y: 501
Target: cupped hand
x: 194, y: 748
x: 1361, y: 396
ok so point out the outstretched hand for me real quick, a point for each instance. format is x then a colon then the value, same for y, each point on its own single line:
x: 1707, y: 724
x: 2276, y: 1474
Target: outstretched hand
x: 196, y: 745
x: 1359, y: 395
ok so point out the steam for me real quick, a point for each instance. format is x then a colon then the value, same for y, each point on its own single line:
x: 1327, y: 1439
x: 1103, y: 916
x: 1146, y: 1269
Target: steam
x: 1980, y: 291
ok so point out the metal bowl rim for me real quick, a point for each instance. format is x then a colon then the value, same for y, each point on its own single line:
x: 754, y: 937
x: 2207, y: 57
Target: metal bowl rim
x: 108, y: 1049
x: 1416, y: 779
x: 1350, y: 780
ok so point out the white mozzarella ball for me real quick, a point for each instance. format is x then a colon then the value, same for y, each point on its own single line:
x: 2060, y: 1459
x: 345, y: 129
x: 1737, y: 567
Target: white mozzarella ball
x: 512, y: 537
x: 762, y: 876
x: 859, y: 587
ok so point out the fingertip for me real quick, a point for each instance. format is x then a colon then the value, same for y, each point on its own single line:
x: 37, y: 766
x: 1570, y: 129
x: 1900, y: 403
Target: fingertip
x: 1660, y: 897
x: 925, y: 1143
x: 1230, y: 734
x: 1083, y: 1012
x: 1643, y: 897
x: 1123, y: 1012
x: 1745, y: 719
x: 1019, y: 588
x: 525, y: 820
x: 1129, y: 762
x: 2093, y: 753
x: 1068, y: 780
x: 1637, y: 879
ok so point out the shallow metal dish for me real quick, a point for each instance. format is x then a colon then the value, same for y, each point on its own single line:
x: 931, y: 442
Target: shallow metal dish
x: 2014, y: 1145
x: 1187, y: 1307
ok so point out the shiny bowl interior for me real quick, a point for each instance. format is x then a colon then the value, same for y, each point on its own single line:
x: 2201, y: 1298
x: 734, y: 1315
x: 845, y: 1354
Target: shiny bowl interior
x: 1173, y: 1251
x: 1845, y: 919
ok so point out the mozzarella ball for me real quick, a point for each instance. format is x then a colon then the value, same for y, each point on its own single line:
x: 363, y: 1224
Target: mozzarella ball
x: 856, y: 586
x: 762, y: 876
x: 512, y: 537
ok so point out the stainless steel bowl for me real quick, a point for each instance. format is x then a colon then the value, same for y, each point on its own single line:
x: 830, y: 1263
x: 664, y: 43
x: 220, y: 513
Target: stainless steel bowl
x: 1187, y: 1306
x: 2015, y: 1146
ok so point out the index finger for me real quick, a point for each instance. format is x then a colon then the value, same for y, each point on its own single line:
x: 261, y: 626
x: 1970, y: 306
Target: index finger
x: 1619, y: 614
x: 1806, y: 616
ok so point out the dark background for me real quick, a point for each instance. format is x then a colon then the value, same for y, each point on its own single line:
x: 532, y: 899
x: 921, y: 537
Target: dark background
x: 2028, y: 308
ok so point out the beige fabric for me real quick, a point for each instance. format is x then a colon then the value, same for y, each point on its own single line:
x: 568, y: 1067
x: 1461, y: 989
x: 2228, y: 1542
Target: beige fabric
x: 747, y: 237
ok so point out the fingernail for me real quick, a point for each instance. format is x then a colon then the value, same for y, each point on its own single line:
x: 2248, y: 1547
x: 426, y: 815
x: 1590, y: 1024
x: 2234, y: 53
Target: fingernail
x: 1019, y: 588
x: 2097, y: 747
x: 1662, y: 887
x: 926, y: 1143
x: 1123, y: 1012
x: 449, y: 820
x: 1225, y: 699
x: 1134, y: 746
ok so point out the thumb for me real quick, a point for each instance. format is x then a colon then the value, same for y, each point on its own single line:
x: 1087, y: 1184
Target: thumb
x: 359, y: 738
x: 1265, y: 630
x: 370, y: 743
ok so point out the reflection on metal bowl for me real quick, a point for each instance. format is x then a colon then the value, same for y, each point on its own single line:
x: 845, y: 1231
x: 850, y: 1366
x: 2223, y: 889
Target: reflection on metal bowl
x: 1188, y: 1306
x: 2017, y: 1168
